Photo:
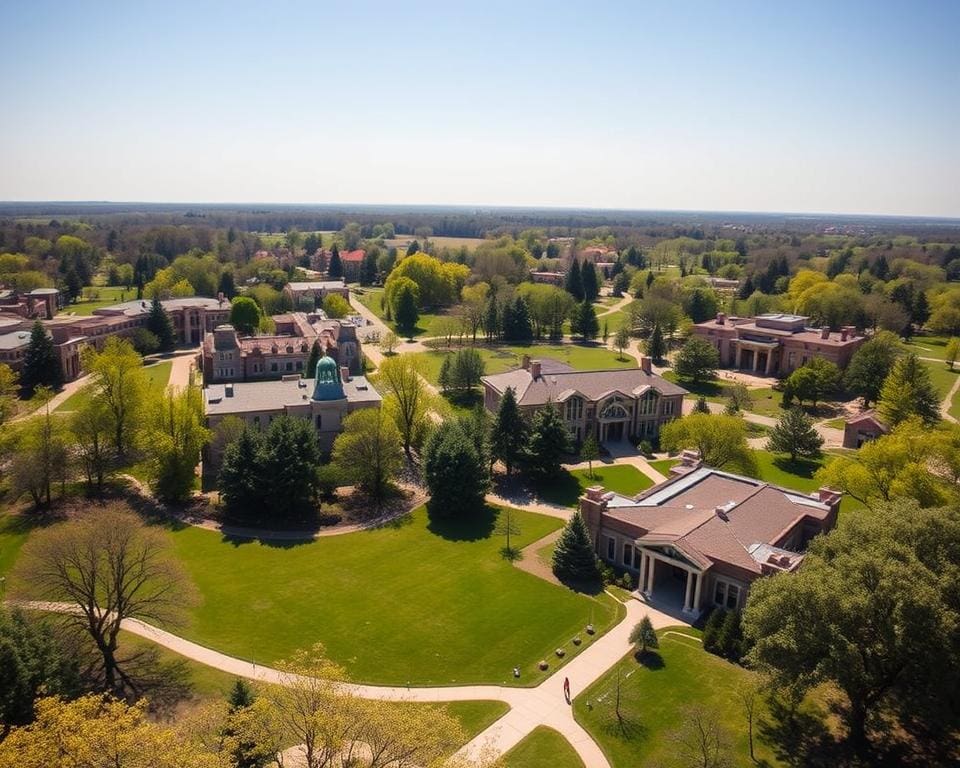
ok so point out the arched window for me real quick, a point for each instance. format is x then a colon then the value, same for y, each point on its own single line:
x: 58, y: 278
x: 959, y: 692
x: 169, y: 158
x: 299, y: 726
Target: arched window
x: 614, y: 411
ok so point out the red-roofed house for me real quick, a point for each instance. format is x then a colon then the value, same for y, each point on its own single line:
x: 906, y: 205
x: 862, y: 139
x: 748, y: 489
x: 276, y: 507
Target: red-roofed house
x: 352, y: 262
x: 863, y: 428
x: 700, y: 539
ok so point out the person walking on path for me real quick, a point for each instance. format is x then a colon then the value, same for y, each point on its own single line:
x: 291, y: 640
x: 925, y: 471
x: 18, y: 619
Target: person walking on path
x: 566, y: 689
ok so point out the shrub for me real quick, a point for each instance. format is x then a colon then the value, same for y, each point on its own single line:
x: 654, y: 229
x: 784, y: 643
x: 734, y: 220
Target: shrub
x: 711, y: 630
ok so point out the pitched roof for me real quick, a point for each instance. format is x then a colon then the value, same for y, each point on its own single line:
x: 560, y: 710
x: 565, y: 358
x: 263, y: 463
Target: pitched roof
x: 555, y: 384
x: 867, y: 416
x: 356, y: 255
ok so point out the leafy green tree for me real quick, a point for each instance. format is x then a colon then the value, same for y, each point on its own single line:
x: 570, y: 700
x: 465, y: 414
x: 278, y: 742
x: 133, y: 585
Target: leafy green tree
x: 175, y: 436
x: 41, y: 363
x: 643, y: 636
x: 145, y: 342
x: 588, y: 278
x: 8, y: 392
x: 656, y: 346
x: 907, y: 392
x: 509, y: 432
x: 368, y: 453
x: 697, y: 360
x: 335, y: 267
x: 456, y: 475
x: 951, y: 352
x: 700, y: 405
x: 573, y: 282
x: 408, y: 400
x: 291, y: 457
x: 548, y: 440
x: 312, y: 360
x: 241, y: 481
x: 335, y: 306
x: 721, y: 440
x: 794, y: 433
x: 245, y: 315
x: 159, y: 324
x: 406, y: 313
x: 871, y: 364
x: 590, y: 451
x: 92, y: 429
x: 119, y: 380
x: 621, y: 340
x: 873, y: 613
x: 573, y: 557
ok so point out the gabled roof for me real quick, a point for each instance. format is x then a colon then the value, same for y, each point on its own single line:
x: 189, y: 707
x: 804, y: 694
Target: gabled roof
x: 356, y: 255
x: 866, y: 417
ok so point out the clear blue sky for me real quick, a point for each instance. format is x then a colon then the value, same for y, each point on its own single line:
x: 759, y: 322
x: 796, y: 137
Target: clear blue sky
x: 848, y: 107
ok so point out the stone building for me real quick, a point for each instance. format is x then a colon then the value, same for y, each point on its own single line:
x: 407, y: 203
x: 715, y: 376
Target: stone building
x: 613, y: 405
x: 313, y: 292
x: 702, y: 538
x: 776, y: 344
x: 863, y: 428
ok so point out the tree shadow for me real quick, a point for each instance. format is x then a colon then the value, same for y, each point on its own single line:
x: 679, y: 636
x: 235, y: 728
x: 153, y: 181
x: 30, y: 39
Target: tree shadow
x: 511, y: 554
x: 463, y: 524
x: 591, y: 587
x: 801, y: 737
x: 562, y: 490
x: 650, y: 659
x: 805, y: 468
x: 468, y: 399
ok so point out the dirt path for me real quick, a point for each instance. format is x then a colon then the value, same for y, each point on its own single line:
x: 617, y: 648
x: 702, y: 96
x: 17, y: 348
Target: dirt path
x: 530, y: 558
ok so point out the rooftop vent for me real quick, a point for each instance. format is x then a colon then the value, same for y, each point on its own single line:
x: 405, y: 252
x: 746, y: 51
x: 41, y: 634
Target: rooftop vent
x: 228, y: 390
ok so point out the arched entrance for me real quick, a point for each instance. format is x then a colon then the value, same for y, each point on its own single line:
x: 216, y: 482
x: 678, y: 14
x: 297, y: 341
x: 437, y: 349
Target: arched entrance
x: 614, y: 422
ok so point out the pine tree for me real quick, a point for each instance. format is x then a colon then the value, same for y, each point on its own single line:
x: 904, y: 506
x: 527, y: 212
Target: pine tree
x: 573, y: 557
x: 368, y: 271
x: 795, y: 434
x: 509, y: 432
x: 445, y: 379
x: 456, y: 475
x: 516, y: 321
x: 700, y: 406
x: 335, y: 268
x: 41, y: 363
x: 491, y: 320
x: 241, y: 695
x: 711, y: 630
x: 241, y: 481
x: 158, y: 323
x: 315, y: 355
x: 407, y: 313
x: 549, y: 440
x: 730, y: 636
x: 588, y: 278
x: 908, y: 391
x: 574, y: 282
x: 656, y: 347
x: 588, y: 324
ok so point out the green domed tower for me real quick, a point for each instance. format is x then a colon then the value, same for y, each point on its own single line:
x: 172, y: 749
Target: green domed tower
x: 327, y: 384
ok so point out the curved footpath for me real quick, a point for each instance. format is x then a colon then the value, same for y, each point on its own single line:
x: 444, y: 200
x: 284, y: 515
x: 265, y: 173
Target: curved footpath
x: 529, y: 707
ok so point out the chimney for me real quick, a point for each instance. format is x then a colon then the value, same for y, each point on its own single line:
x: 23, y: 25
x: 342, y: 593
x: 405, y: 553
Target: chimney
x: 220, y: 297
x: 525, y: 362
x: 825, y: 332
x: 646, y: 365
x: 535, y: 369
x: 344, y: 373
x: 828, y: 495
x: 228, y: 390
x: 721, y: 318
x: 595, y: 493
x: 843, y: 334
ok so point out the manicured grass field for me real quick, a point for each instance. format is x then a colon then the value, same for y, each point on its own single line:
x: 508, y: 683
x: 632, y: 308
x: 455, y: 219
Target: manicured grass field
x: 543, y: 748
x: 14, y: 530
x: 427, y: 325
x: 663, y: 465
x: 498, y: 359
x: 158, y: 374
x: 429, y: 603
x: 929, y: 346
x: 799, y: 475
x: 654, y: 698
x: 942, y: 377
x: 623, y: 479
x: 108, y: 296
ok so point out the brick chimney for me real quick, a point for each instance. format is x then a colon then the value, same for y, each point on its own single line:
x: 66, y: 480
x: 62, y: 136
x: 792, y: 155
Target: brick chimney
x: 825, y: 332
x: 592, y: 506
x: 646, y: 365
x: 843, y: 334
x: 344, y: 373
x: 535, y: 369
x: 721, y: 318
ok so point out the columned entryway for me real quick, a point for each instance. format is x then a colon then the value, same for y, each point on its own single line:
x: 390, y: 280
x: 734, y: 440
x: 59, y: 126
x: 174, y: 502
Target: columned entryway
x: 756, y: 356
x: 669, y: 581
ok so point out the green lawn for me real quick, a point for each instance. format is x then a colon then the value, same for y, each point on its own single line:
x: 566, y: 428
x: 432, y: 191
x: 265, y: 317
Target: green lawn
x: 14, y: 530
x: 428, y: 325
x: 543, y: 748
x: 929, y: 346
x: 498, y: 359
x: 942, y: 377
x: 663, y: 465
x: 623, y: 479
x: 108, y: 296
x: 158, y: 374
x: 420, y: 602
x: 799, y: 475
x: 654, y: 702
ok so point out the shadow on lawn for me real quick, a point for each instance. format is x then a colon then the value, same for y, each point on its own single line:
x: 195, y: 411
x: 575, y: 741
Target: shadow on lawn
x: 562, y: 490
x: 470, y: 527
x: 805, y: 468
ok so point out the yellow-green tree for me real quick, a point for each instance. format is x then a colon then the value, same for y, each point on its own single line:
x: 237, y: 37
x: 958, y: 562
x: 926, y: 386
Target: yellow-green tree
x: 408, y: 400
x: 175, y: 435
x: 119, y: 381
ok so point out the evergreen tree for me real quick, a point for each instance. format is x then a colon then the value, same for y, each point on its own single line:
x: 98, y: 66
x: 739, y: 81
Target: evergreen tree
x: 656, y: 347
x: 587, y: 324
x: 548, y: 441
x: 413, y: 247
x: 445, y: 379
x: 920, y: 311
x: 290, y: 456
x: 908, y: 391
x: 335, y: 267
x: 241, y: 481
x: 406, y: 313
x: 41, y: 363
x: 509, y: 432
x: 746, y: 289
x: 315, y: 355
x: 241, y: 695
x: 368, y: 270
x: 795, y: 434
x: 730, y: 637
x: 574, y: 282
x: 573, y: 557
x: 227, y: 286
x: 588, y: 278
x: 491, y: 320
x: 711, y: 630
x: 700, y: 406
x: 516, y: 321
x: 159, y: 324
x: 456, y: 475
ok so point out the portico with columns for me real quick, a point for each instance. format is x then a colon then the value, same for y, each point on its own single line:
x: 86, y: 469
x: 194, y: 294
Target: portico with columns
x: 652, y: 560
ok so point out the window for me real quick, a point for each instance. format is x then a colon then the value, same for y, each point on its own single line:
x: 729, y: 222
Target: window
x: 611, y: 548
x: 668, y: 406
x: 628, y: 555
x: 726, y: 595
x: 299, y: 365
x: 289, y: 366
x: 319, y: 421
x: 733, y: 595
x: 574, y: 409
x: 721, y: 592
x: 273, y: 367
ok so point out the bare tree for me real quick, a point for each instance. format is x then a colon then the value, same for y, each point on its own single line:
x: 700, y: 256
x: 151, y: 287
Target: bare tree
x: 108, y: 566
x: 749, y: 696
x: 702, y: 741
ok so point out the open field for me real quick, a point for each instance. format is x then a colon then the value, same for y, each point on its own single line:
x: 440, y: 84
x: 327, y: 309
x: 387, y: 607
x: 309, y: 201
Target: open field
x: 567, y: 489
x: 799, y: 475
x: 389, y: 603
x: 543, y: 748
x: 663, y: 465
x: 108, y: 296
x: 929, y: 346
x: 654, y: 697
x: 498, y: 359
x: 427, y: 325
x: 941, y: 377
x: 402, y: 241
x: 158, y: 374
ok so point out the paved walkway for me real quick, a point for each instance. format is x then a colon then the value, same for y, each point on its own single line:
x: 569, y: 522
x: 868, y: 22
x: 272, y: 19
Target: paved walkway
x: 529, y: 707
x: 58, y: 399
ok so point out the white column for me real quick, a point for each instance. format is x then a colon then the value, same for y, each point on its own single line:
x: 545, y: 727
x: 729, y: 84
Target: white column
x: 653, y: 567
x: 686, y: 597
x: 642, y: 578
x: 696, y: 596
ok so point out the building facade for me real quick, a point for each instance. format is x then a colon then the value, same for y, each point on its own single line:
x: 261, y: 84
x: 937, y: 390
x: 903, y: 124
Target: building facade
x: 863, y: 428
x: 326, y: 400
x: 776, y: 344
x: 614, y: 405
x: 312, y: 293
x: 700, y: 539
